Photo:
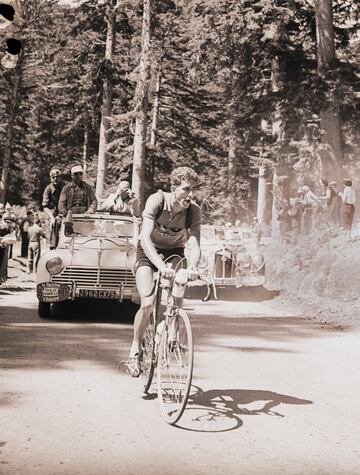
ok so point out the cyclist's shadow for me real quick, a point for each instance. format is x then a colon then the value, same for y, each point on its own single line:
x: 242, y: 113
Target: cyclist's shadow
x: 219, y: 410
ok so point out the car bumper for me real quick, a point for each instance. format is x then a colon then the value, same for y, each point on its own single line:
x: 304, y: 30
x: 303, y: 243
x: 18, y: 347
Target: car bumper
x: 240, y: 281
x: 52, y: 292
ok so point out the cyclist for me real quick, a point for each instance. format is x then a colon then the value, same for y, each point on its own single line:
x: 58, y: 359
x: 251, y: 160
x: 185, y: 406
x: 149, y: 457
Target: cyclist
x: 170, y: 221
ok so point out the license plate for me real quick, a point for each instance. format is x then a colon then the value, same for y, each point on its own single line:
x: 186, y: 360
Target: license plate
x: 47, y: 292
x: 224, y: 281
x: 99, y: 294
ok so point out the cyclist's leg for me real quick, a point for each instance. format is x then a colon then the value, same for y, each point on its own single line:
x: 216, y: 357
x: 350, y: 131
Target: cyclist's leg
x: 145, y: 284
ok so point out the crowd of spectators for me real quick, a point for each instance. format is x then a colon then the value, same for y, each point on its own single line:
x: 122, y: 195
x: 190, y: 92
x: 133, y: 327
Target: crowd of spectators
x: 307, y: 211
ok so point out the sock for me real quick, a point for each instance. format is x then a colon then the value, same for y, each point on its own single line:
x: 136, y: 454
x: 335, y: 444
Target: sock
x: 134, y: 350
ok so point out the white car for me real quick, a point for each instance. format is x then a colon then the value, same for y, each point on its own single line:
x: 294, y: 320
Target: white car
x: 94, y: 259
x: 231, y: 257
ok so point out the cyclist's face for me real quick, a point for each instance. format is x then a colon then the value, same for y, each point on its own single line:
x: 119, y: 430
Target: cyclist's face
x: 184, y: 193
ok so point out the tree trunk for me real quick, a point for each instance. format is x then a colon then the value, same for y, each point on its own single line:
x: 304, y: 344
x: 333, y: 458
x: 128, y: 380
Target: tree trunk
x: 8, y: 147
x: 261, y: 204
x: 85, y: 146
x: 107, y: 100
x: 324, y: 34
x: 155, y: 113
x: 333, y: 158
x: 142, y: 93
x: 276, y: 203
x: 232, y: 173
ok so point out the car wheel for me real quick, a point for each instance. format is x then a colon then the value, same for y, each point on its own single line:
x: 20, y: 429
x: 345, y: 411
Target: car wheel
x: 44, y: 309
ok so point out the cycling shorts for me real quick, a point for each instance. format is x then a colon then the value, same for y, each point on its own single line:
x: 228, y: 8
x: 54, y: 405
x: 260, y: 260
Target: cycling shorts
x: 143, y: 261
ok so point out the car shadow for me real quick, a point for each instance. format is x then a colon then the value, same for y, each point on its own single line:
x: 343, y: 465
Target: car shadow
x: 94, y: 311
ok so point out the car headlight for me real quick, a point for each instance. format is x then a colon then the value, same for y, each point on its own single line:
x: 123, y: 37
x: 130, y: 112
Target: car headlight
x: 258, y: 261
x: 54, y: 265
x: 243, y: 261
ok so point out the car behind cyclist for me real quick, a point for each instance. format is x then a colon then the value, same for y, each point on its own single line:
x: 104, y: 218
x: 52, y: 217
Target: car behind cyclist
x: 170, y: 221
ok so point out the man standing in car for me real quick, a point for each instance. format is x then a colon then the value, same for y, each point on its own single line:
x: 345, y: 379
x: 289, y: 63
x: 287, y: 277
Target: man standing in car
x: 50, y: 204
x: 77, y: 196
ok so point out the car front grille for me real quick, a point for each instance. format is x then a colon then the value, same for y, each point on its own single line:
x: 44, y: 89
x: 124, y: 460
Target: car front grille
x: 94, y: 277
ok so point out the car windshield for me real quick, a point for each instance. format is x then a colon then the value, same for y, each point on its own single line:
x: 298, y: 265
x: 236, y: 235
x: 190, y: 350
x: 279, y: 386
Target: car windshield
x: 233, y: 234
x: 102, y: 228
x: 207, y: 233
x: 238, y: 234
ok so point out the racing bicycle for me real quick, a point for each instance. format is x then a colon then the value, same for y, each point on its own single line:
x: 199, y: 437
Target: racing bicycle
x: 167, y: 344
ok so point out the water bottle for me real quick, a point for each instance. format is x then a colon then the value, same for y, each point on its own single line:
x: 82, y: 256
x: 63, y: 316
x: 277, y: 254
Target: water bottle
x: 181, y: 279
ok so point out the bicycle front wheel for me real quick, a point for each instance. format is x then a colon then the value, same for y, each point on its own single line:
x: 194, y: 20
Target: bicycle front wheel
x: 175, y: 366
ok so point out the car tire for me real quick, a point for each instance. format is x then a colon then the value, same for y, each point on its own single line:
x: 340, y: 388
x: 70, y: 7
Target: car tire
x: 44, y: 309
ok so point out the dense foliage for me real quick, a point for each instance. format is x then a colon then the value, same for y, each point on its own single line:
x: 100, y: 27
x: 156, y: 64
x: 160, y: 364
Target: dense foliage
x: 234, y: 84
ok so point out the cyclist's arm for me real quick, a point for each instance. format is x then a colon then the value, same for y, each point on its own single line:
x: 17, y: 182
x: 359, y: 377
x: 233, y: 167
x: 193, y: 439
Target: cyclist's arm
x: 194, y: 255
x: 194, y: 239
x: 147, y: 244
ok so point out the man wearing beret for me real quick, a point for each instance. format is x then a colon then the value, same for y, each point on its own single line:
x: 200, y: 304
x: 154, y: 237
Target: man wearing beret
x: 77, y: 196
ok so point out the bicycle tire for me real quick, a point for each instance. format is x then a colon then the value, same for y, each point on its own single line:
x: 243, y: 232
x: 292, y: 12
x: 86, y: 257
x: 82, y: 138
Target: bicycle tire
x: 147, y: 362
x: 148, y: 358
x: 173, y: 414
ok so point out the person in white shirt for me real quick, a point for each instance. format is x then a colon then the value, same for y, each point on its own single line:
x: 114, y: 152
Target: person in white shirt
x: 122, y: 201
x: 349, y: 199
x: 312, y: 208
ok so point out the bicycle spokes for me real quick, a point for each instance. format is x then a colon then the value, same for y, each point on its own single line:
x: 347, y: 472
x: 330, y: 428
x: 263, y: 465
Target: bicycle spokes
x: 175, y: 366
x: 147, y: 358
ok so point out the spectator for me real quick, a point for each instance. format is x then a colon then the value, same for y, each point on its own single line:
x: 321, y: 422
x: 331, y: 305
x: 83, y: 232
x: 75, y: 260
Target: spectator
x: 7, y: 228
x: 334, y: 204
x: 285, y: 222
x: 349, y: 198
x: 77, y: 196
x: 24, y: 233
x: 311, y: 210
x: 10, y: 218
x: 50, y: 204
x: 122, y: 201
x: 257, y: 230
x: 296, y: 207
x: 35, y: 235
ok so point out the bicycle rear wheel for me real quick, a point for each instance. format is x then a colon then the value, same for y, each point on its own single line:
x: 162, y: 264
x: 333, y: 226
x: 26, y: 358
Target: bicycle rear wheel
x: 175, y: 366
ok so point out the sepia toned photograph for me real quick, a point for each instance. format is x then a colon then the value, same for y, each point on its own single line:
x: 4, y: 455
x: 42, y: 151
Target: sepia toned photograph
x: 179, y: 237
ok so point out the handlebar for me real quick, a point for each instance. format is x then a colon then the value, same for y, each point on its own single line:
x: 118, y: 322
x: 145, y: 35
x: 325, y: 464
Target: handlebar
x: 159, y: 276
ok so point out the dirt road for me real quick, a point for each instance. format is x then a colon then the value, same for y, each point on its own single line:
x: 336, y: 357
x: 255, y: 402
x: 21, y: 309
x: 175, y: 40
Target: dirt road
x: 272, y: 394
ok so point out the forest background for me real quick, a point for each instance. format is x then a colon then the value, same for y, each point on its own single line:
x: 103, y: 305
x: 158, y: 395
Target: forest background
x: 232, y: 88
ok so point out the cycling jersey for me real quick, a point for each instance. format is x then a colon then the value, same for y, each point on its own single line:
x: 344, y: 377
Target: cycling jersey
x: 171, y: 230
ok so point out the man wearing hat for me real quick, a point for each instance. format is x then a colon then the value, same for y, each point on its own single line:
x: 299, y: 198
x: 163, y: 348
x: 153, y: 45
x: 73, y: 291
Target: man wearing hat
x: 257, y: 230
x: 122, y: 201
x: 349, y: 198
x: 77, y: 196
x: 334, y: 204
x: 295, y: 212
x: 50, y: 204
x: 312, y: 207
